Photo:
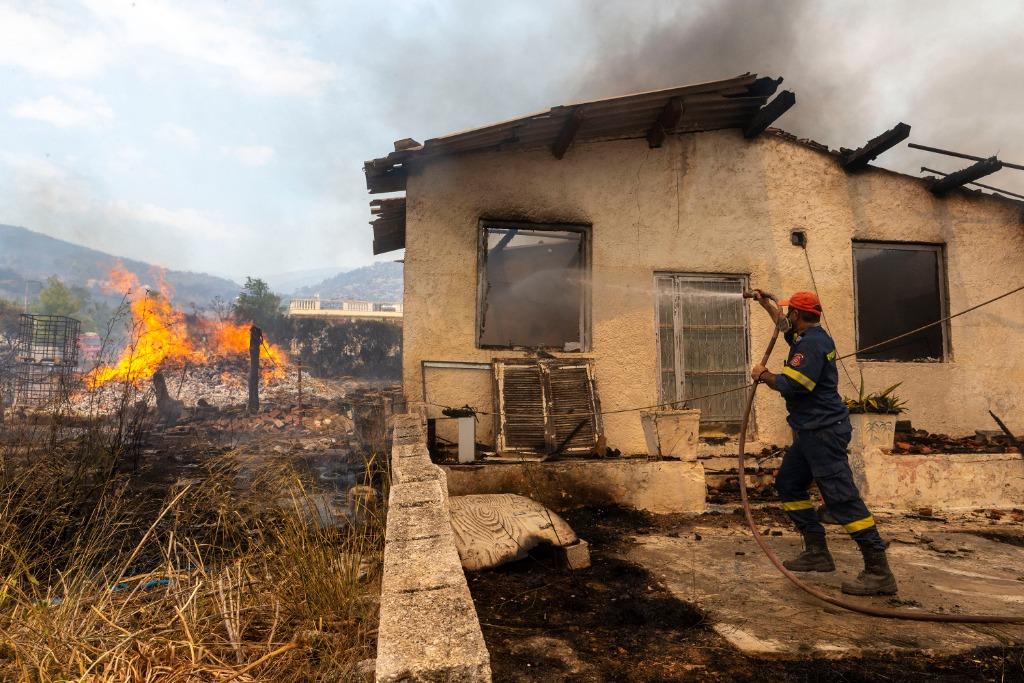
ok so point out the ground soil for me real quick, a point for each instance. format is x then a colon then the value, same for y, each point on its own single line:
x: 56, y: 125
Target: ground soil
x: 616, y: 622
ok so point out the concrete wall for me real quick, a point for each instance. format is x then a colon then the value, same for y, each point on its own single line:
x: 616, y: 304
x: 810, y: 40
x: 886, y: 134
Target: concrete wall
x: 951, y: 481
x: 659, y: 486
x: 428, y: 628
x: 714, y: 203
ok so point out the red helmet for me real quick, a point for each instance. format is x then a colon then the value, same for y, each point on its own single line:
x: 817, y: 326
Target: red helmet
x: 803, y: 301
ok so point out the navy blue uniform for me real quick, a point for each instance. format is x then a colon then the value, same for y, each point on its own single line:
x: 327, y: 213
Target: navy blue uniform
x: 809, y: 382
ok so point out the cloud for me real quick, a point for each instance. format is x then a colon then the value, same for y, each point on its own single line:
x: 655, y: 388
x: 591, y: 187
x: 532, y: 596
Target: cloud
x: 235, y: 42
x: 49, y: 43
x: 56, y: 200
x: 79, y: 108
x: 182, y: 219
x: 179, y: 135
x: 251, y: 155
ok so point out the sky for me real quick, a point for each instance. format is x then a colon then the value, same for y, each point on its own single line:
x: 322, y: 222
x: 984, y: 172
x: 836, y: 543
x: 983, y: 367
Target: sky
x: 229, y: 137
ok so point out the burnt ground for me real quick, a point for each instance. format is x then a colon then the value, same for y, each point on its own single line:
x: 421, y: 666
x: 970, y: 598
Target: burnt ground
x: 617, y: 622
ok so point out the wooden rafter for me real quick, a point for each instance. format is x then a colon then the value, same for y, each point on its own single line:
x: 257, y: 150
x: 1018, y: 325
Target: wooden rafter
x: 568, y: 132
x: 966, y: 175
x: 767, y: 115
x: 856, y: 159
x: 667, y: 120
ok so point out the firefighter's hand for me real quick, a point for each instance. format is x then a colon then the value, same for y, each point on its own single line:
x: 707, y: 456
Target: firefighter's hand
x: 757, y: 371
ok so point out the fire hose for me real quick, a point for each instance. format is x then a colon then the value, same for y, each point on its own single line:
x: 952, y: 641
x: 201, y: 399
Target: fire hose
x: 821, y: 595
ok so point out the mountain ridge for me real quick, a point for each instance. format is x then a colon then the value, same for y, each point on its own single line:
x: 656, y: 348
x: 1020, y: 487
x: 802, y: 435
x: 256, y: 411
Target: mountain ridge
x: 29, y: 256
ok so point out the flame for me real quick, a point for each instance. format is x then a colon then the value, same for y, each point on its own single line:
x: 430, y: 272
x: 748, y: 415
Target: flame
x: 159, y: 334
x: 230, y: 339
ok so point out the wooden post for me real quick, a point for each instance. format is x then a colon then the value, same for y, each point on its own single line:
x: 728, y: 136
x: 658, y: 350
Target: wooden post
x: 300, y: 392
x: 255, y: 341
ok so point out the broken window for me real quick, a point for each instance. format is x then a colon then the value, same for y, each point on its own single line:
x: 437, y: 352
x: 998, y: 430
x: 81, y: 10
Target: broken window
x: 900, y: 287
x: 532, y: 286
x: 702, y: 345
x: 546, y: 406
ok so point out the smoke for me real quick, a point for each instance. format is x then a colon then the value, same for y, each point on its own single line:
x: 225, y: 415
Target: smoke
x: 948, y: 69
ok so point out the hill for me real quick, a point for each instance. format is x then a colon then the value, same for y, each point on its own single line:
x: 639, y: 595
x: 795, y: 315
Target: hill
x: 378, y: 282
x: 26, y: 256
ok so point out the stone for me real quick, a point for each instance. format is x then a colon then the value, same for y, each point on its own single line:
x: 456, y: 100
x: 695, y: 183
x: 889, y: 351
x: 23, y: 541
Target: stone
x: 413, y: 523
x: 422, y: 565
x: 493, y: 529
x: 417, y: 494
x: 577, y: 555
x: 363, y: 671
x: 431, y: 636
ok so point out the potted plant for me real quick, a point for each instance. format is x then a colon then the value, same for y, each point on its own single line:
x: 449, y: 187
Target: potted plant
x: 873, y: 417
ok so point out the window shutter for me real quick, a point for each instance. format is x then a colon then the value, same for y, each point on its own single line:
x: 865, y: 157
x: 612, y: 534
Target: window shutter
x: 521, y: 406
x: 546, y: 406
x: 573, y: 411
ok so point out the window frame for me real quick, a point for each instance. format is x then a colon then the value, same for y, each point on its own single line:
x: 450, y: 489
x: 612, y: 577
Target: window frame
x: 678, y: 355
x: 585, y: 270
x: 939, y: 249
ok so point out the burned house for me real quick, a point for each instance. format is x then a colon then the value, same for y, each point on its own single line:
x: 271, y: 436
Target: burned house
x: 565, y: 269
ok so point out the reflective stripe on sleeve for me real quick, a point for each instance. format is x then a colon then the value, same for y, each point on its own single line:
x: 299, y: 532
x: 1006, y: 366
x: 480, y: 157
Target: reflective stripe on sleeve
x: 790, y: 505
x: 831, y: 355
x: 802, y: 379
x: 859, y: 525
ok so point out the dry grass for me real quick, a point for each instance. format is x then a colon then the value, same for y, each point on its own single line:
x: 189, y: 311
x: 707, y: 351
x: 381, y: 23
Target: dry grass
x: 216, y: 582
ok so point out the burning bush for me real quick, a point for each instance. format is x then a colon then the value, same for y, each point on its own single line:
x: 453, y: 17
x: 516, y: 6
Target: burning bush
x: 159, y: 334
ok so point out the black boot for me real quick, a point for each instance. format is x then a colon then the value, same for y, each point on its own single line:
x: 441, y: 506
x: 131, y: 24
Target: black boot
x: 876, y: 579
x: 814, y: 558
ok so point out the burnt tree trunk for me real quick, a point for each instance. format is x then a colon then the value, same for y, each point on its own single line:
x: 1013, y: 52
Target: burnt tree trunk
x: 255, y: 340
x: 169, y: 409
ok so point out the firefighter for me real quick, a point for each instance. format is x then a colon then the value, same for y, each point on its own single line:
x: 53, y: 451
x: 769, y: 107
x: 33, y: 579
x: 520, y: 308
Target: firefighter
x: 809, y: 382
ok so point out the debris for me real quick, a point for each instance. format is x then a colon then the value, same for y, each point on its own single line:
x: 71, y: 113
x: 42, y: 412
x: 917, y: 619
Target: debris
x: 492, y: 529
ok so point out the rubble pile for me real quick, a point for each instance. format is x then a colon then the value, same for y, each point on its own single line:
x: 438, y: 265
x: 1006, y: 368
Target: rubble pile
x: 221, y: 382
x: 923, y: 442
x: 320, y: 416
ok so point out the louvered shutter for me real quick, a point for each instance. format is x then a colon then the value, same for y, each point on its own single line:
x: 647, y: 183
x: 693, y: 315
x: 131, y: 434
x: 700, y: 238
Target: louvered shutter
x: 521, y: 407
x: 546, y: 406
x: 572, y: 409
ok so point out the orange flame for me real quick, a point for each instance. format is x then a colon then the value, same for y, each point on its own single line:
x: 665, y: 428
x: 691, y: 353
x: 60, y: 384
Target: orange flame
x: 229, y: 339
x: 159, y: 334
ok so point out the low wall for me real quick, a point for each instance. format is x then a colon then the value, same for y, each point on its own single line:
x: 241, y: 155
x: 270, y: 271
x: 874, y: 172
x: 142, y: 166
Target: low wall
x: 946, y: 482
x: 428, y: 629
x: 659, y: 486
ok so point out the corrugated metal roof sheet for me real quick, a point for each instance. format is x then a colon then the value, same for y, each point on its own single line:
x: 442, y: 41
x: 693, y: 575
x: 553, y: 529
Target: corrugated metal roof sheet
x: 728, y: 103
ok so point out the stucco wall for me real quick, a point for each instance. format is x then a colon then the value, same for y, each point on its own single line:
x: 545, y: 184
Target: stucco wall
x: 714, y: 203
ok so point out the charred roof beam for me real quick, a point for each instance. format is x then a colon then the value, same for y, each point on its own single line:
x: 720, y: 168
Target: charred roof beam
x: 769, y: 113
x: 967, y: 175
x: 667, y: 120
x: 568, y: 133
x: 856, y: 159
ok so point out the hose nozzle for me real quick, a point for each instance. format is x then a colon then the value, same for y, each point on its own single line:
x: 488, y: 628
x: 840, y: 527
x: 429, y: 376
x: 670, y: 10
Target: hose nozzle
x: 758, y: 293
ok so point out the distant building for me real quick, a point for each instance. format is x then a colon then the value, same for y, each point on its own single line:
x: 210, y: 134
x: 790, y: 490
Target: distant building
x: 315, y: 307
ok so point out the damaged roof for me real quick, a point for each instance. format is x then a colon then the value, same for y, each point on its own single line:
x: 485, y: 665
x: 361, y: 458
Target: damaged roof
x: 731, y: 103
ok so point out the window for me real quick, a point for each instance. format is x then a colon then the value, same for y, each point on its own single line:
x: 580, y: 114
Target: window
x: 531, y: 286
x: 702, y: 345
x: 900, y: 287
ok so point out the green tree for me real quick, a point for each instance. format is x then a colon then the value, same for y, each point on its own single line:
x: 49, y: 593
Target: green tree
x: 56, y: 298
x: 9, y: 321
x: 256, y: 303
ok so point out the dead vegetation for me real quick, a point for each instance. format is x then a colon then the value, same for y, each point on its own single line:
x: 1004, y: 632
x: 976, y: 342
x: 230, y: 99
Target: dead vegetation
x: 224, y: 576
